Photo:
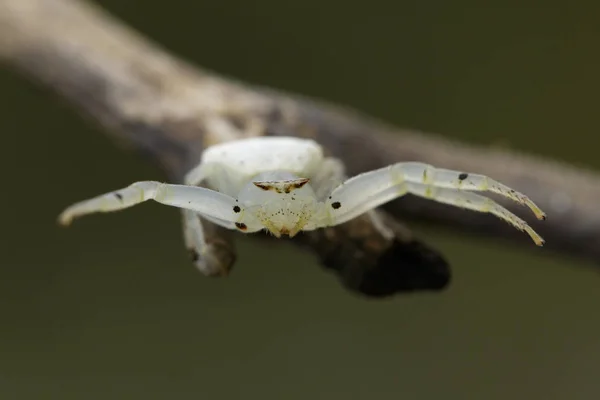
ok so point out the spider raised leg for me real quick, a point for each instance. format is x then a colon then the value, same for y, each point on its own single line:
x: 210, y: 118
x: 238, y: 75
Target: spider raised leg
x: 374, y: 188
x: 217, y: 206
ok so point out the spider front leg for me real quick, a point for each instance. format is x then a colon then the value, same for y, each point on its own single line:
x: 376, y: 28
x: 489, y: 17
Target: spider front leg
x: 474, y: 202
x: 372, y: 189
x: 217, y: 206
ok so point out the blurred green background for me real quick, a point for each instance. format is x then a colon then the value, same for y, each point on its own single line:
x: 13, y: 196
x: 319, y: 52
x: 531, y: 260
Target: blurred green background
x: 112, y: 308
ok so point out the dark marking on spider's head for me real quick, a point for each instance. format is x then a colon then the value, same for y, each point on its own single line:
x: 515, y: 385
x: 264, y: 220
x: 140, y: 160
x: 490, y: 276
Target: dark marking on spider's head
x: 463, y: 176
x: 335, y: 205
x: 241, y: 226
x: 282, y: 186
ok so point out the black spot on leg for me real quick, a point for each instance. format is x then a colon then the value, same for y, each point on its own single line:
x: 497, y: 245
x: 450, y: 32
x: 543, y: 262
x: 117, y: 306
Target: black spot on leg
x: 463, y: 176
x: 241, y: 226
x: 335, y: 205
x: 119, y: 196
x: 194, y: 255
x: 236, y: 209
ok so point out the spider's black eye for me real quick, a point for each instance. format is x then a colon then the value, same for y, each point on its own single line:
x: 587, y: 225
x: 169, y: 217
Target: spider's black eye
x: 336, y: 205
x: 236, y: 209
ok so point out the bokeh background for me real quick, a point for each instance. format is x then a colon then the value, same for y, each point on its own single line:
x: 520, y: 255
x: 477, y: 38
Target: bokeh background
x: 112, y: 308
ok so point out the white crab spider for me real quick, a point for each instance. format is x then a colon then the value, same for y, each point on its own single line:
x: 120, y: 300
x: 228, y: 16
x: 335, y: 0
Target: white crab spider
x: 286, y: 185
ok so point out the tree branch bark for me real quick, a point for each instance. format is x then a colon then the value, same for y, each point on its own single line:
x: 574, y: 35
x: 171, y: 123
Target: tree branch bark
x: 170, y: 110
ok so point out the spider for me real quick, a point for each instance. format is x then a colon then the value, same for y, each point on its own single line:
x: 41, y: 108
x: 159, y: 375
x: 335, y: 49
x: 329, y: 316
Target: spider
x: 286, y: 185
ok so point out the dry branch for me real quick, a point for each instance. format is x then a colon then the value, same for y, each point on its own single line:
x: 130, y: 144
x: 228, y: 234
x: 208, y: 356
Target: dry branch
x: 170, y: 110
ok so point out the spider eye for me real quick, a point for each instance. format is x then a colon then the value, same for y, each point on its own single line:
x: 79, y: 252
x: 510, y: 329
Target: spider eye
x: 285, y: 186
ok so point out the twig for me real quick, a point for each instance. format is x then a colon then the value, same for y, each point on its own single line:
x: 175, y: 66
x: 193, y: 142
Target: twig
x: 170, y: 110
